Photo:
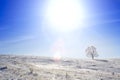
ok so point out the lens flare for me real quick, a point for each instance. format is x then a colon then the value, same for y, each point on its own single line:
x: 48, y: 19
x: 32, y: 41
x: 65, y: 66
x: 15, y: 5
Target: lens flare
x: 58, y: 49
x: 57, y: 56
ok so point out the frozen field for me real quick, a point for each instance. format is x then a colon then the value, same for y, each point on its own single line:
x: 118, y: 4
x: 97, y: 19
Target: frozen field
x: 43, y: 68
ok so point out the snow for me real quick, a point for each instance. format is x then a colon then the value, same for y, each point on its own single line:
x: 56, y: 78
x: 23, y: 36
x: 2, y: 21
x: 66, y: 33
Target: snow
x: 45, y: 68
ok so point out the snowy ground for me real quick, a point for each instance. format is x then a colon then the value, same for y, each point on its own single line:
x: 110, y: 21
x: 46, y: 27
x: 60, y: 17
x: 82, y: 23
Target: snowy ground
x: 42, y: 68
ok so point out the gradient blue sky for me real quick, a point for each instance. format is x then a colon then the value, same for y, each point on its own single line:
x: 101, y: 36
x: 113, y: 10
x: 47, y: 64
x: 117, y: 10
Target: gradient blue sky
x: 22, y: 30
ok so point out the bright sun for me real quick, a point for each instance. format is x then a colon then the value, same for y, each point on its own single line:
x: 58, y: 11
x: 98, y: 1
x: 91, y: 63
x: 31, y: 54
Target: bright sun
x: 63, y: 15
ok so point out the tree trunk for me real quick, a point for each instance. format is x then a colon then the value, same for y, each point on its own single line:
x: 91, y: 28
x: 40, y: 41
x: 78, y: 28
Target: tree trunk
x: 92, y: 56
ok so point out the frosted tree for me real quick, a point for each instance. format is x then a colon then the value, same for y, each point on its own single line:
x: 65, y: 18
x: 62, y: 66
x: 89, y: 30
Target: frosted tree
x: 91, y: 52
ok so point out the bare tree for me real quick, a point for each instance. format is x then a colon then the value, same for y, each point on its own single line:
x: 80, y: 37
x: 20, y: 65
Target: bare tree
x: 91, y: 52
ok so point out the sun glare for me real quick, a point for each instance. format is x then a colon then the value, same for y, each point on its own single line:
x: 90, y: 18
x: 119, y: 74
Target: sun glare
x: 63, y: 15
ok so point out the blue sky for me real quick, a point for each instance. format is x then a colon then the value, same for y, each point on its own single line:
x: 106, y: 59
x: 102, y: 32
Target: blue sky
x: 22, y: 30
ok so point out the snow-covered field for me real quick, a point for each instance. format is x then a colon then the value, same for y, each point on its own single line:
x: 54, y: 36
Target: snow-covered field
x: 43, y: 68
